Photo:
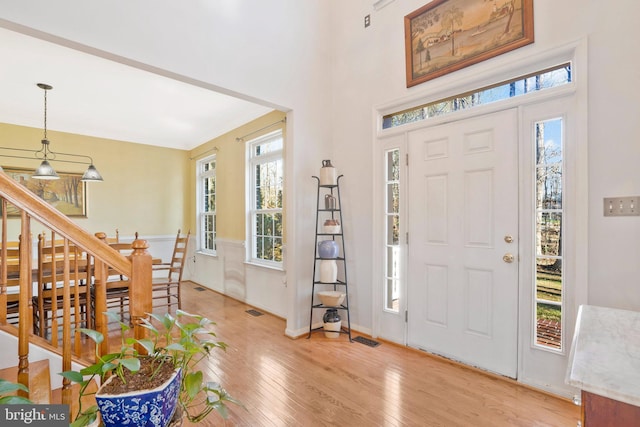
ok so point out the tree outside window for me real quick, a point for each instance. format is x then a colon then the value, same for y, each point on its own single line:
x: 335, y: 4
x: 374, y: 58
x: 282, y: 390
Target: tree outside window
x: 207, y: 205
x: 266, y: 191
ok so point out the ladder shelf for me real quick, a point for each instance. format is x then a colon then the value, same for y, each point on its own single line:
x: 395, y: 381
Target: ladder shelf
x: 340, y: 283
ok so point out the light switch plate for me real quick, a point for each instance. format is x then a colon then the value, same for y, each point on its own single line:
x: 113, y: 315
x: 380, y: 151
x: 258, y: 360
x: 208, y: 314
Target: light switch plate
x: 622, y: 206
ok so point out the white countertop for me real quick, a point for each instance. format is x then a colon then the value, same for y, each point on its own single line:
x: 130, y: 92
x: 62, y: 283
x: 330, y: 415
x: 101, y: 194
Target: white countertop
x: 605, y: 353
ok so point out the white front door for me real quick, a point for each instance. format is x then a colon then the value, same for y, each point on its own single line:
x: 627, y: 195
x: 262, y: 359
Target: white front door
x: 463, y: 241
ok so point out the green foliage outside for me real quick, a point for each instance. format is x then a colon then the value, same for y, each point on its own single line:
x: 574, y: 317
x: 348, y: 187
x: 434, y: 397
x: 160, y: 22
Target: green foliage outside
x: 549, y: 288
x: 548, y: 312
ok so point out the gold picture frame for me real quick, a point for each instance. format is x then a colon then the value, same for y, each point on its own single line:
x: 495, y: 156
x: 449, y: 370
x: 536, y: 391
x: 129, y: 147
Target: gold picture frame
x: 67, y: 194
x: 447, y: 35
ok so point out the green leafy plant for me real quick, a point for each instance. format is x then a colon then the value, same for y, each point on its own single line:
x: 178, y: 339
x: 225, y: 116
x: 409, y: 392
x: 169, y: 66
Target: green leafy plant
x: 182, y: 340
x: 7, y: 388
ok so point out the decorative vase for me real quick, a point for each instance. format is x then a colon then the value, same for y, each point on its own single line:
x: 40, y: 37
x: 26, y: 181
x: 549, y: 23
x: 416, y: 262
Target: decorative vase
x: 327, y: 173
x: 329, y: 202
x: 328, y: 249
x: 331, y: 226
x: 332, y: 323
x: 331, y: 298
x: 142, y: 408
x: 328, y: 271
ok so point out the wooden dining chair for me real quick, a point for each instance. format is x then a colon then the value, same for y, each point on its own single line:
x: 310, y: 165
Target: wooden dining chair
x: 48, y: 302
x: 117, y: 285
x: 12, y: 281
x: 115, y: 238
x: 166, y: 289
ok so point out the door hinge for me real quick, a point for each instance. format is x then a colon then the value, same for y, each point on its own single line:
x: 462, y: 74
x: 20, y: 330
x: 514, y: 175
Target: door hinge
x: 406, y: 159
x: 406, y: 316
x: 407, y: 237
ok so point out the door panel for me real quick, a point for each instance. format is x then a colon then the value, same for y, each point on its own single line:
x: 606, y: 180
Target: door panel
x: 463, y: 201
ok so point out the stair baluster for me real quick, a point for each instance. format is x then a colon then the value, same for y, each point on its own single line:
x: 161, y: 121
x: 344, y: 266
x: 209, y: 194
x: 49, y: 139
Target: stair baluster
x: 138, y: 268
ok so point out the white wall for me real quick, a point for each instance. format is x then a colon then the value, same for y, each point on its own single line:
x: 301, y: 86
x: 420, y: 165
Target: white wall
x: 614, y: 153
x: 228, y: 273
x: 315, y: 59
x: 369, y: 70
x: 275, y: 51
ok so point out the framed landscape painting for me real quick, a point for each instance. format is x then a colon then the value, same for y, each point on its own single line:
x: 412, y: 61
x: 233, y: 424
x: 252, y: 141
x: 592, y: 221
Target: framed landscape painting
x: 447, y: 35
x: 67, y: 194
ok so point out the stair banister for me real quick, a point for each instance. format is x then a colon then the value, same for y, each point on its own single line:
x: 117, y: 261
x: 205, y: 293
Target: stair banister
x: 137, y: 267
x: 41, y: 211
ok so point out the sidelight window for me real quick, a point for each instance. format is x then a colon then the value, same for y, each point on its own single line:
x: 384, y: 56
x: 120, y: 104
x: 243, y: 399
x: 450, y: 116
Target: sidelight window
x: 392, y: 225
x: 548, y: 233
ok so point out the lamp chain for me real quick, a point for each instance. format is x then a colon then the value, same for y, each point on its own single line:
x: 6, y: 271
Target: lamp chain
x: 45, y: 114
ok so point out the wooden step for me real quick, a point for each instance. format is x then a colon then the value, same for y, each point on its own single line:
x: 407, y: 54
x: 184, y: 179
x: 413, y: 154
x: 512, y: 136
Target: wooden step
x: 39, y: 380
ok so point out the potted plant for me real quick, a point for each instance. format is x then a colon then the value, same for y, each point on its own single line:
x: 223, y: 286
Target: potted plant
x: 176, y: 345
x: 7, y: 393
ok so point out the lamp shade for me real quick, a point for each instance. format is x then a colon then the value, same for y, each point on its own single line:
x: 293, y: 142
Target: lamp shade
x: 92, y: 174
x: 45, y: 171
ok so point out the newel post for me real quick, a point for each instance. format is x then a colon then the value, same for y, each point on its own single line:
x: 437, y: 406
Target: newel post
x: 140, y: 290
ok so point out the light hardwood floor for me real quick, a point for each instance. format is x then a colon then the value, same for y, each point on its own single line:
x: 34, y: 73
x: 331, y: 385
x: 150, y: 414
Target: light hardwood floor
x: 331, y: 382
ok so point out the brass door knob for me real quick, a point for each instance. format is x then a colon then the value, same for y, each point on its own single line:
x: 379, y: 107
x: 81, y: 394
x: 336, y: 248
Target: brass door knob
x: 508, y: 238
x: 508, y: 258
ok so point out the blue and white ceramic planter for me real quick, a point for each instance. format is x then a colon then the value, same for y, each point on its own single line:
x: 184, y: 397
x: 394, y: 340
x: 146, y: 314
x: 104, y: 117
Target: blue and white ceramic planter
x: 145, y: 408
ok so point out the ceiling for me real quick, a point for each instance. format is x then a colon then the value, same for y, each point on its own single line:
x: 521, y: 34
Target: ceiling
x: 99, y: 97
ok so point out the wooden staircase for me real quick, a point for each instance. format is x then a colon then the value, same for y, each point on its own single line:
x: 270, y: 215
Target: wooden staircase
x: 39, y: 380
x: 40, y: 391
x: 138, y: 267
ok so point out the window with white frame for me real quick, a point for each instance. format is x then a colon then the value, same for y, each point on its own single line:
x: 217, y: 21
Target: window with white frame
x: 392, y: 240
x: 534, y: 82
x: 206, y: 179
x: 265, y: 187
x: 549, y: 209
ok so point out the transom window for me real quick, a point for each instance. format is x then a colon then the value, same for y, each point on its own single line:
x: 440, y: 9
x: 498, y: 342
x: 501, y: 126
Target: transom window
x: 545, y: 79
x: 265, y: 189
x: 206, y: 169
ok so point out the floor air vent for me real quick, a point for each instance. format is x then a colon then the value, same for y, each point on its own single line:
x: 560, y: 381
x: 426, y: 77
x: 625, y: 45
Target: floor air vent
x: 367, y: 341
x: 254, y: 312
x: 199, y: 288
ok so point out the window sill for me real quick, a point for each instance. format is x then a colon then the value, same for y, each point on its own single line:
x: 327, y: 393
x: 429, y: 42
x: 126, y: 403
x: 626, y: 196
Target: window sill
x: 268, y: 267
x: 207, y: 254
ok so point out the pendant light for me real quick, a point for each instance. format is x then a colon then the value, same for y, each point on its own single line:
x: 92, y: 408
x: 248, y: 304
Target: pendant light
x: 45, y: 170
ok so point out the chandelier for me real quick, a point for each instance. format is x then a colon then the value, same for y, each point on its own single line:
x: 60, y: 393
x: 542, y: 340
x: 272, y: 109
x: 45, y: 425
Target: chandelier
x: 45, y: 170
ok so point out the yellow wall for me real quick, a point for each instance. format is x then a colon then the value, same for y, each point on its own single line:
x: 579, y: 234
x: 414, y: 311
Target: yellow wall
x: 145, y: 188
x: 230, y: 174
